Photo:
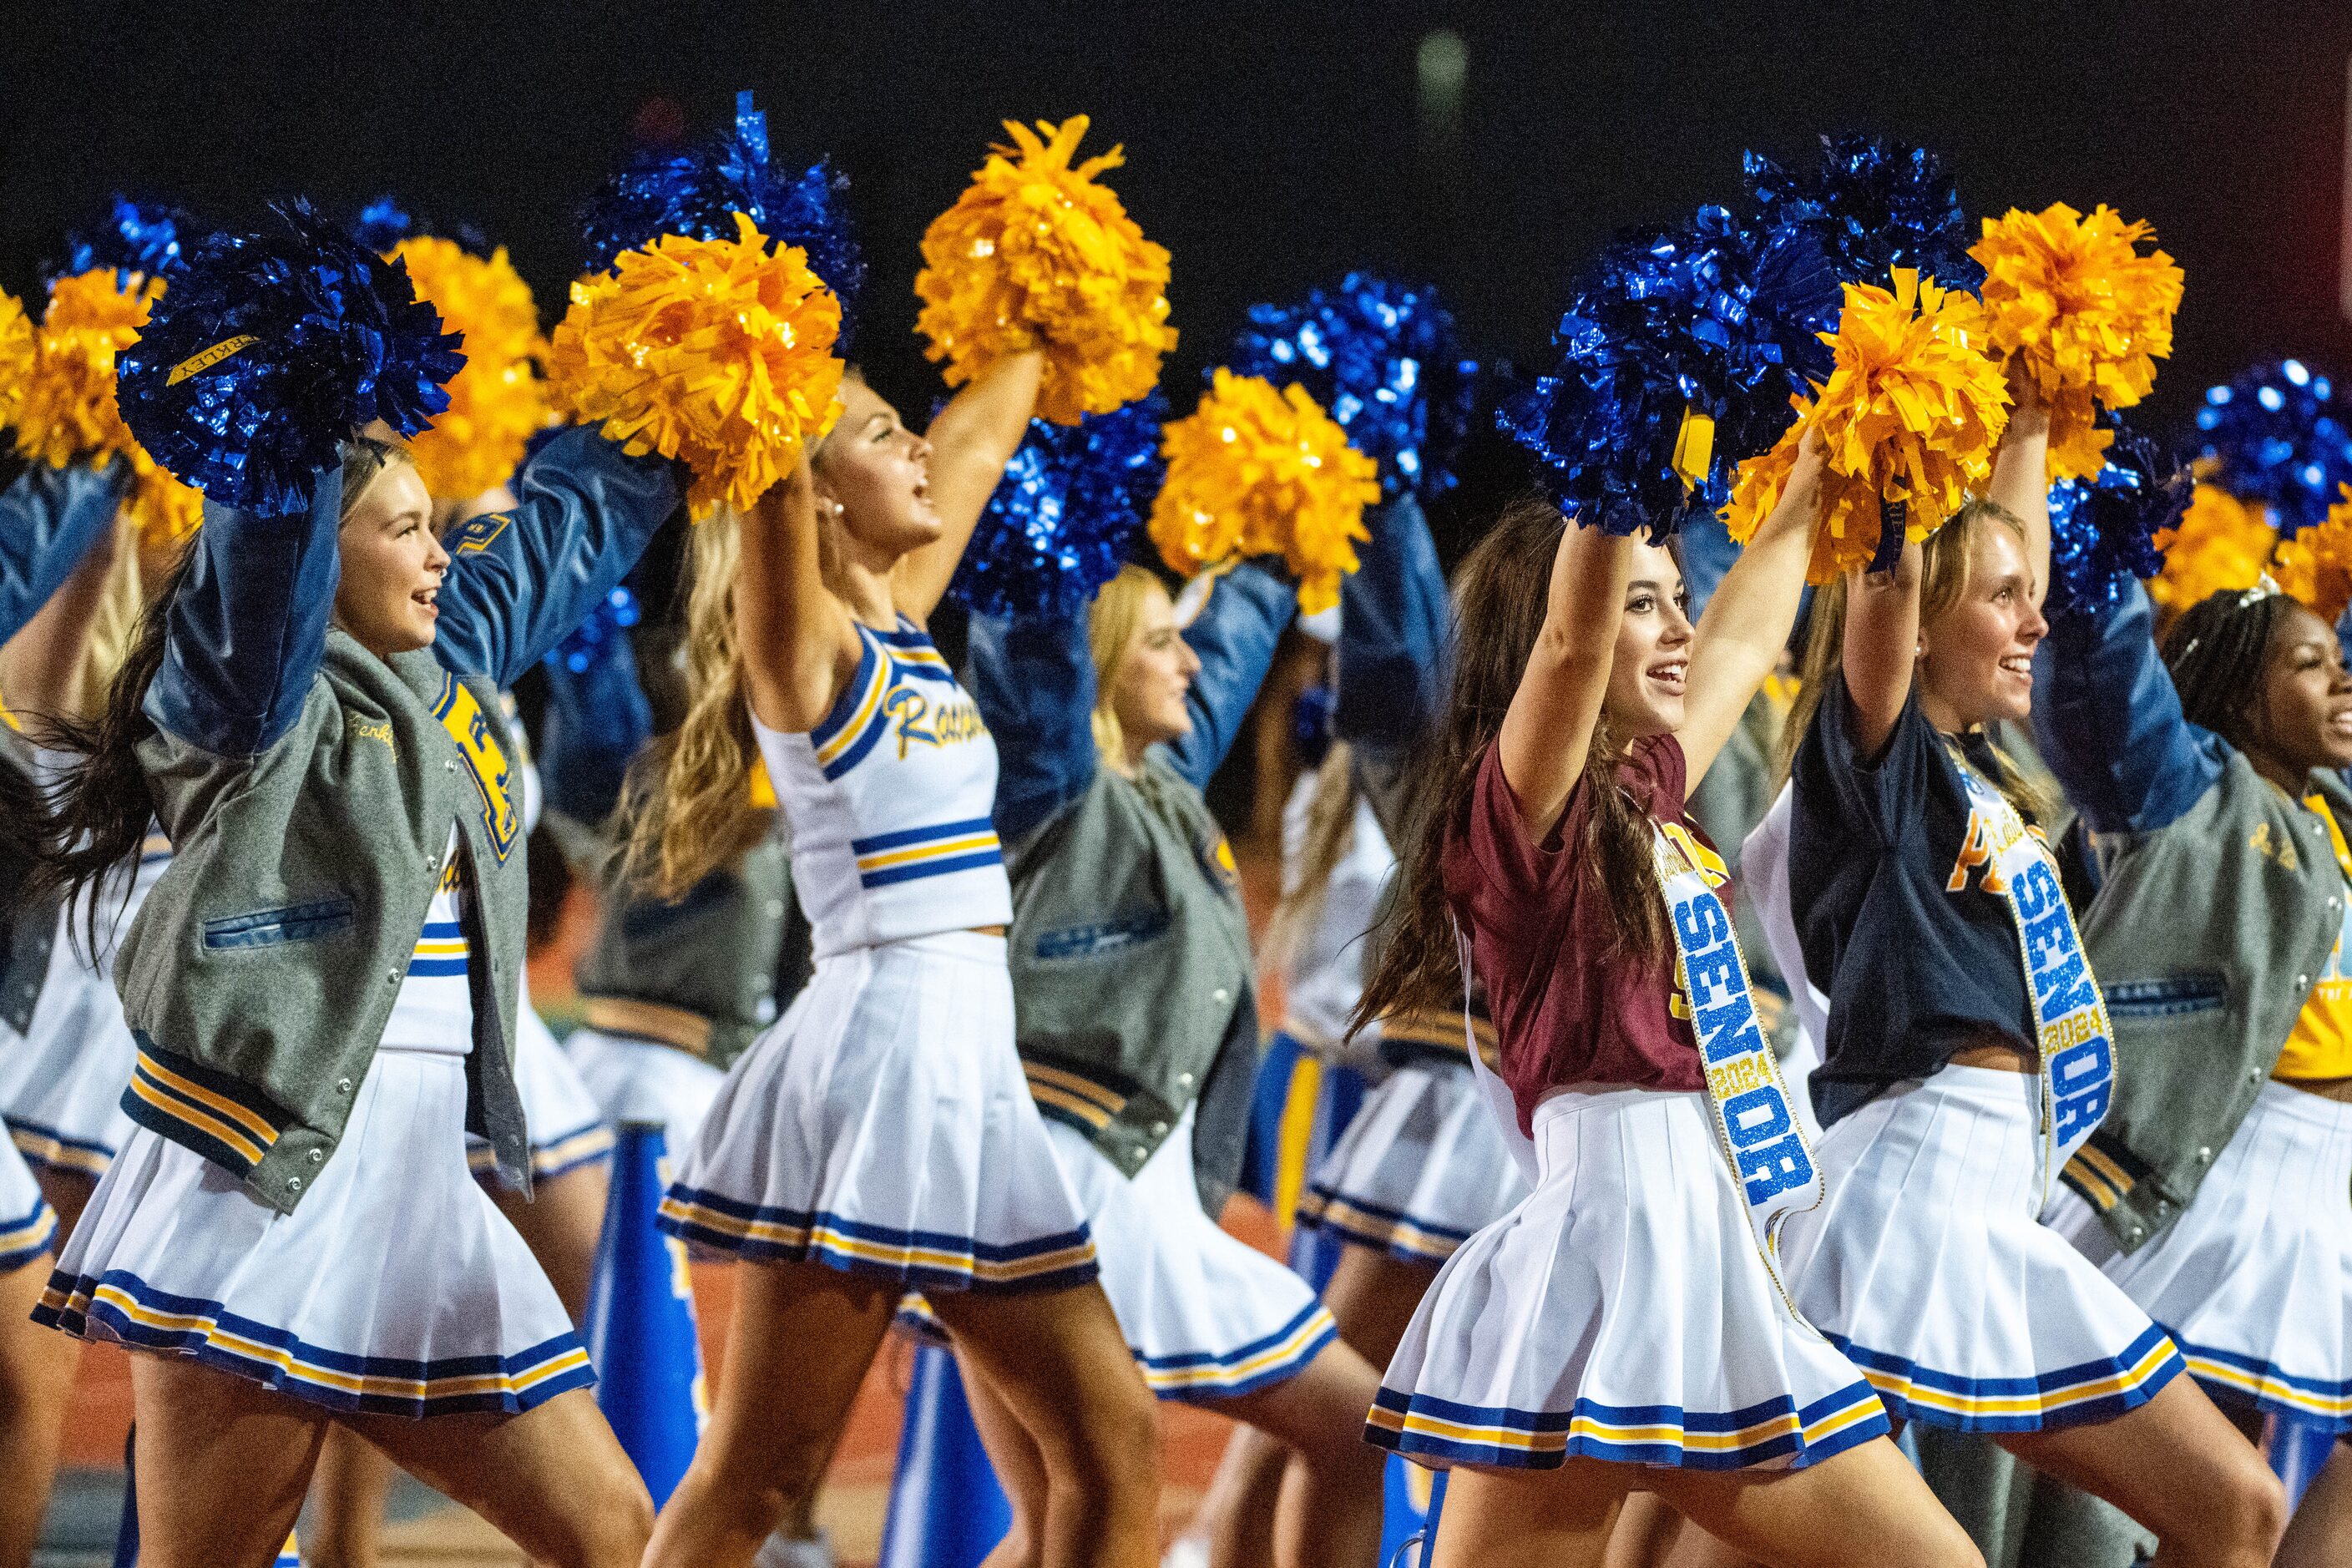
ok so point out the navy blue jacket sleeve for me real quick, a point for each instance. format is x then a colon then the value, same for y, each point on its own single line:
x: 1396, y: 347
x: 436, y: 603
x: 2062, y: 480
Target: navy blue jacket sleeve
x: 1394, y: 622
x: 48, y: 520
x: 1033, y: 682
x: 2109, y: 722
x: 597, y: 718
x: 519, y: 580
x: 249, y: 625
x: 1234, y: 636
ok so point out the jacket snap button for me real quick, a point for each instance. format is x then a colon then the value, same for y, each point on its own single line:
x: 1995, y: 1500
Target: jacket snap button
x: 2254, y: 1075
x: 2301, y: 981
x: 343, y: 1086
x: 2203, y: 1155
x: 317, y: 1156
x: 1160, y: 1129
x: 448, y: 765
x: 293, y: 1184
x: 391, y: 977
x: 1183, y: 1080
x: 1221, y: 994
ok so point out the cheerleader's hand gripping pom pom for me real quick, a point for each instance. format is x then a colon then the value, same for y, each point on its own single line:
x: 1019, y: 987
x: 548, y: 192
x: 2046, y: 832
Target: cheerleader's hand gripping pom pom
x: 1381, y: 357
x: 2315, y: 565
x: 270, y: 349
x: 498, y: 399
x: 718, y: 352
x: 697, y: 193
x: 1908, y: 421
x: 1036, y: 253
x: 2084, y: 314
x: 2274, y: 436
x: 1060, y: 522
x: 1254, y: 471
x: 2220, y: 544
x: 1871, y: 206
x: 2103, y: 531
x: 69, y: 409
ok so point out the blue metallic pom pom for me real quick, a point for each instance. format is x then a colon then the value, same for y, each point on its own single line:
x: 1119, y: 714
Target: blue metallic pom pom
x: 594, y: 639
x: 2275, y: 435
x: 1706, y: 319
x: 1060, y: 522
x: 1872, y: 205
x: 695, y: 191
x: 384, y: 223
x: 139, y: 237
x: 270, y: 349
x: 2103, y: 531
x: 1381, y: 359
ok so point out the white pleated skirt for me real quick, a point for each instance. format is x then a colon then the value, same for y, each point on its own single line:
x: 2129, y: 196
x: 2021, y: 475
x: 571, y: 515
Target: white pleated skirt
x: 1621, y: 1312
x: 61, y: 1083
x: 1928, y: 1265
x: 882, y: 1126
x: 27, y: 1223
x: 1420, y: 1167
x: 2254, y: 1279
x: 1207, y: 1315
x: 566, y: 1127
x: 644, y: 1080
x: 396, y: 1286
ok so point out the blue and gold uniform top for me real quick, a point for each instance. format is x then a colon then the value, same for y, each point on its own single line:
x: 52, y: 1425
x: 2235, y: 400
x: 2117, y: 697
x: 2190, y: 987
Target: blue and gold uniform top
x: 890, y: 801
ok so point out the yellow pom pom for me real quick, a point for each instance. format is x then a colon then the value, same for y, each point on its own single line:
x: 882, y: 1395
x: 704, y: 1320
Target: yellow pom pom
x: 16, y: 356
x: 1035, y: 255
x: 2220, y: 545
x: 716, y: 351
x: 2086, y: 315
x: 498, y: 399
x: 1253, y: 471
x: 1910, y: 413
x: 2315, y: 565
x: 68, y: 411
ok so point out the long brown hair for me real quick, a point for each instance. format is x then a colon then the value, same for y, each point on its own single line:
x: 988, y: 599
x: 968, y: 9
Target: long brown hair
x: 1500, y: 595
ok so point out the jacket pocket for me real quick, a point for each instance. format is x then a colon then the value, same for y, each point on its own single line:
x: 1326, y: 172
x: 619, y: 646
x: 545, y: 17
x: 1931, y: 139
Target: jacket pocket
x: 268, y: 927
x: 2173, y: 997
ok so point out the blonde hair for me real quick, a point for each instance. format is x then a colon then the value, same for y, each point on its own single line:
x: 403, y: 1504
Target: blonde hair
x: 689, y: 801
x: 1111, y: 630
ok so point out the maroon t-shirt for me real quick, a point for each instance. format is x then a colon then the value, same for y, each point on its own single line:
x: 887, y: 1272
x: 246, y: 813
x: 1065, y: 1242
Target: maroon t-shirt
x: 1538, y: 920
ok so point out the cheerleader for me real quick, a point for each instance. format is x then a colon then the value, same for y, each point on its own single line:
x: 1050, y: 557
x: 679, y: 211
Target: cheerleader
x: 1623, y: 1327
x: 1932, y: 915
x: 54, y: 525
x: 2215, y: 1190
x: 291, y: 1238
x: 879, y: 1138
x: 1137, y: 1017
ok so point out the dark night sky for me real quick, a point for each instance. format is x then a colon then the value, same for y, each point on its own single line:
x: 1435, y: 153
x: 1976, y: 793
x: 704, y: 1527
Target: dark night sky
x: 1273, y: 145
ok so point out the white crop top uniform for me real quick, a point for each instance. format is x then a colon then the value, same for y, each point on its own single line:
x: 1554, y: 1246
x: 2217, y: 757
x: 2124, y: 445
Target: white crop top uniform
x: 435, y: 1009
x: 891, y: 801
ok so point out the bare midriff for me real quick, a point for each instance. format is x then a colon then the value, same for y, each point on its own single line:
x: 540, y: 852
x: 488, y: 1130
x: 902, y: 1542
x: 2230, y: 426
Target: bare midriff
x: 2325, y: 1088
x: 1993, y: 1051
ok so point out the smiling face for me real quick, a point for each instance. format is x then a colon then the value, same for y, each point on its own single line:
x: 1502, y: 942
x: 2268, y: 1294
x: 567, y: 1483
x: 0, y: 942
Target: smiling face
x: 1976, y: 652
x: 878, y: 473
x: 392, y: 564
x: 1150, y: 684
x: 1652, y: 665
x: 2306, y: 697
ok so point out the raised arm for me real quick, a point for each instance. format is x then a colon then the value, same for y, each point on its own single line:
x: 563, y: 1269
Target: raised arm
x: 1394, y: 622
x: 799, y: 647
x: 971, y: 440
x: 248, y: 625
x: 1033, y: 682
x: 1881, y: 645
x: 1749, y: 615
x: 520, y: 580
x: 38, y: 666
x: 1548, y: 729
x: 48, y: 520
x: 1234, y: 637
x: 597, y: 718
x: 2109, y: 722
x: 2020, y: 482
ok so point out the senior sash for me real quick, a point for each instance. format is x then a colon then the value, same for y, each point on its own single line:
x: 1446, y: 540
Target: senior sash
x: 2069, y: 1016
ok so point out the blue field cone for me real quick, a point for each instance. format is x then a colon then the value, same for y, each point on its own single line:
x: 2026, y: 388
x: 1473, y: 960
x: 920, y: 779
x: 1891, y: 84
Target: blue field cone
x: 641, y: 1333
x: 2297, y: 1450
x: 946, y: 1508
